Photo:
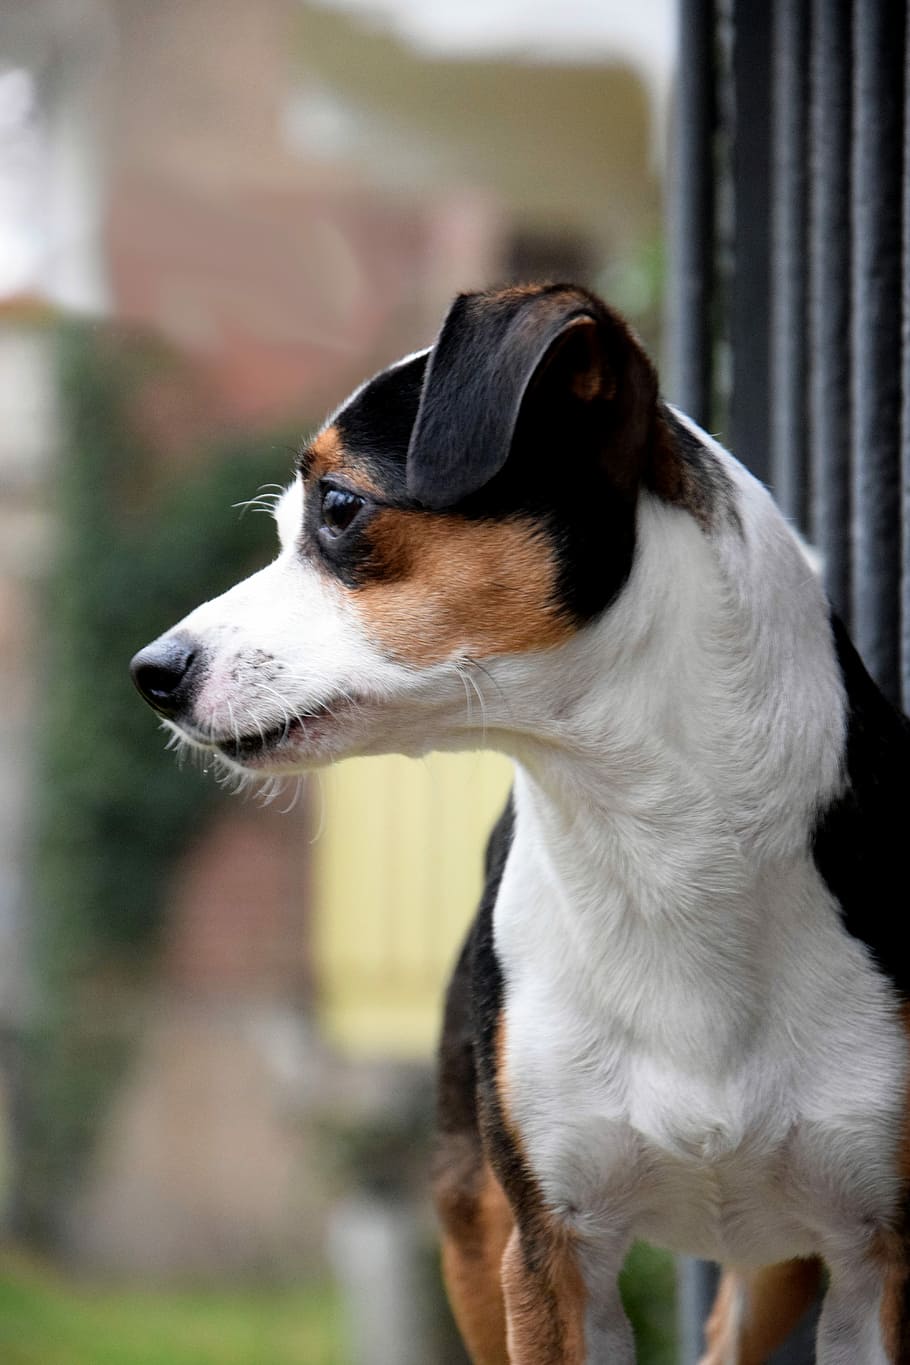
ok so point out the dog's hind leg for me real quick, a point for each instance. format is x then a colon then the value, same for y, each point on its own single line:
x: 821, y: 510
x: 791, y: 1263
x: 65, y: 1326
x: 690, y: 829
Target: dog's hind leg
x: 562, y: 1300
x: 755, y: 1311
x: 895, y: 1312
x: 476, y: 1224
x: 474, y: 1213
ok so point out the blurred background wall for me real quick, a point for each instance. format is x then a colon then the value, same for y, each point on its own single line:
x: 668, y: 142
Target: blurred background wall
x: 217, y: 216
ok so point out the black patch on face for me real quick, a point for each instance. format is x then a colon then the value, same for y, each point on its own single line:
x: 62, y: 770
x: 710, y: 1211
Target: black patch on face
x: 344, y: 555
x: 374, y: 428
x: 860, y: 840
x: 554, y: 475
x: 376, y: 425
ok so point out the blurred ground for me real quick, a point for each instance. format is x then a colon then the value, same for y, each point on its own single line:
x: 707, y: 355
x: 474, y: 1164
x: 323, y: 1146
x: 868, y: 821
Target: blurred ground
x: 47, y: 1319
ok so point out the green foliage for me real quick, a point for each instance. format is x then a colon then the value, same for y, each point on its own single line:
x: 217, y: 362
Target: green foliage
x: 48, y: 1320
x: 115, y: 811
x: 648, y: 1288
x: 636, y: 285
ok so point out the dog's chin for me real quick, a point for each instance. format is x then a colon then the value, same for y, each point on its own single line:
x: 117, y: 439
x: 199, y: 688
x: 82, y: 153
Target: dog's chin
x: 304, y: 742
x: 342, y: 728
x: 308, y: 740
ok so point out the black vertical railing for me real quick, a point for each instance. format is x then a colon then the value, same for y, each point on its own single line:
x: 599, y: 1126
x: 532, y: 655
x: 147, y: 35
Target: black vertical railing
x: 828, y: 267
x: 748, y: 225
x: 789, y: 278
x: 878, y: 106
x: 690, y: 346
x: 691, y: 204
x: 905, y: 392
x: 789, y: 305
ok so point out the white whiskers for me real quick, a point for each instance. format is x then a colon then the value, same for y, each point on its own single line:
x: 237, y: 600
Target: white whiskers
x: 469, y: 683
x: 266, y: 500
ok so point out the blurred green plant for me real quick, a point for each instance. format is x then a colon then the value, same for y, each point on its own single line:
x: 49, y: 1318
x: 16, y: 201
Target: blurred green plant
x: 47, y: 1319
x: 115, y: 812
x: 648, y: 1288
x: 636, y: 285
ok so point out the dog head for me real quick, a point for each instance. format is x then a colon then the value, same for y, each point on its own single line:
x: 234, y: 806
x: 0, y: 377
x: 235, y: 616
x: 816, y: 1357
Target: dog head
x: 472, y: 504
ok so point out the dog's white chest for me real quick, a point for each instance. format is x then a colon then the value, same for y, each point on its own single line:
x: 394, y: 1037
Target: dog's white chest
x: 743, y: 1125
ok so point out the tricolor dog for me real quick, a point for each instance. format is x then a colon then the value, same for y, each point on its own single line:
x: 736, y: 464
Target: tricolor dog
x: 682, y: 1012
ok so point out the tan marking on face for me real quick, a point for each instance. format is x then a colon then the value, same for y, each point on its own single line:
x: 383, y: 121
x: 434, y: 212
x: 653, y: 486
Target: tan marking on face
x: 443, y: 586
x: 329, y: 455
x: 477, y: 1223
x: 327, y: 452
x: 543, y: 1287
x: 755, y: 1311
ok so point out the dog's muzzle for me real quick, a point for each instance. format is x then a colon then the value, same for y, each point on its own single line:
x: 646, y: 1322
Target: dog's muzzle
x: 165, y: 672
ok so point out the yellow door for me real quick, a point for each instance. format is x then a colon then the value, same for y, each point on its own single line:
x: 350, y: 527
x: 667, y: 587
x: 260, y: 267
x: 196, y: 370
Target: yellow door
x: 398, y: 873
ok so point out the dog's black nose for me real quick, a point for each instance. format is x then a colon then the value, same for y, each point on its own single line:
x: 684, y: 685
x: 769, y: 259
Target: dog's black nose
x: 163, y: 672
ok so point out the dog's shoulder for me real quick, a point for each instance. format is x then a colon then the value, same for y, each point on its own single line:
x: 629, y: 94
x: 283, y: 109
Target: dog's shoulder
x: 474, y: 996
x: 471, y: 1074
x: 859, y: 841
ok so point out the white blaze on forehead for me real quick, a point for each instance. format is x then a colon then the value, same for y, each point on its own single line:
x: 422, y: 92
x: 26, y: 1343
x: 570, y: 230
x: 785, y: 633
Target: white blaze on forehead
x: 289, y: 513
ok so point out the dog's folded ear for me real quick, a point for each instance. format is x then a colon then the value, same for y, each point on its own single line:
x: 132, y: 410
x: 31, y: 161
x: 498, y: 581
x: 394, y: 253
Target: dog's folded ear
x: 527, y: 361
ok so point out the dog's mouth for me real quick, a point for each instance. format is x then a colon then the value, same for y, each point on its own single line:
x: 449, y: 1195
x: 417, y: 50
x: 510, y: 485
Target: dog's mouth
x: 290, y: 735
x: 306, y: 735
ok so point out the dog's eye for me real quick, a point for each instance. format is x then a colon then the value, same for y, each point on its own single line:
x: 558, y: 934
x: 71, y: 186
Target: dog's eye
x: 339, y: 509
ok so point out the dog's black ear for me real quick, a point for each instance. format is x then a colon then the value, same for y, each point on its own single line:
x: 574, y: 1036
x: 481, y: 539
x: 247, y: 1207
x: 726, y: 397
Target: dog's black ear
x: 506, y: 361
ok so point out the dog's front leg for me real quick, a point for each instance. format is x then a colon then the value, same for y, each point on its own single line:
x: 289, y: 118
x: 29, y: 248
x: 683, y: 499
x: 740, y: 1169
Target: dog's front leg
x: 562, y: 1299
x: 866, y: 1315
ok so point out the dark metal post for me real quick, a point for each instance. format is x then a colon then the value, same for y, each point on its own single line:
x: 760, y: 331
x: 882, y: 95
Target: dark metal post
x: 830, y: 409
x: 878, y: 36
x: 790, y: 62
x: 690, y: 363
x: 905, y: 414
x: 821, y: 378
x: 749, y: 74
x: 689, y: 341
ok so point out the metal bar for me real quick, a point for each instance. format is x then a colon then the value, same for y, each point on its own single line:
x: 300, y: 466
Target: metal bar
x: 788, y: 336
x: 788, y: 360
x: 689, y: 341
x: 690, y: 360
x: 734, y: 216
x: 838, y: 390
x: 799, y: 1348
x: 830, y: 409
x: 878, y: 37
x: 749, y: 290
x: 905, y: 419
x: 696, y: 1285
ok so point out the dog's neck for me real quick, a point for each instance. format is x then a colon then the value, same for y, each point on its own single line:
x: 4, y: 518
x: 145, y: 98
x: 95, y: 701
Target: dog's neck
x: 670, y: 762
x: 681, y: 721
